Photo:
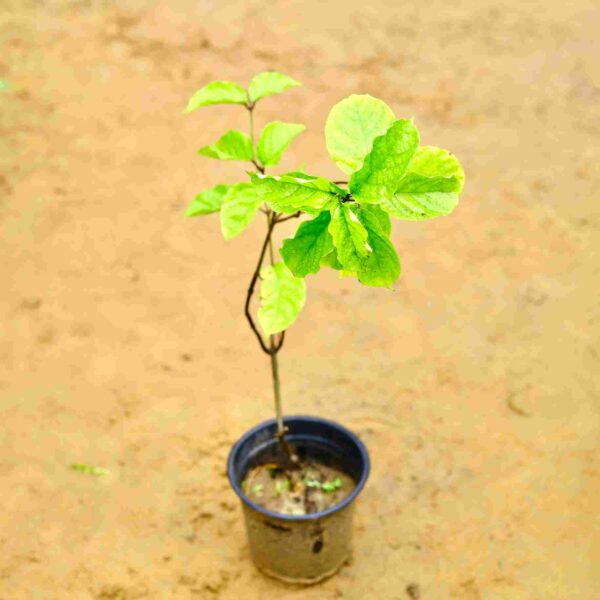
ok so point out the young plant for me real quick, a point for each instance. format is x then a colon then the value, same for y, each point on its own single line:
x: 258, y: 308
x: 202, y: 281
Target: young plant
x: 390, y: 175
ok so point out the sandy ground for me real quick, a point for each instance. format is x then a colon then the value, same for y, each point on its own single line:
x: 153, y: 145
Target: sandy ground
x: 123, y: 343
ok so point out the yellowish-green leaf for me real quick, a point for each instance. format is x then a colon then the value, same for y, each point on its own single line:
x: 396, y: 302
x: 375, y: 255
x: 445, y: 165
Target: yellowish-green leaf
x: 382, y: 267
x: 208, y: 201
x: 239, y: 209
x: 89, y: 469
x: 269, y: 83
x: 274, y: 139
x: 303, y: 253
x: 217, y: 92
x: 331, y: 260
x: 282, y: 297
x: 385, y: 165
x: 288, y: 194
x: 431, y: 161
x: 429, y: 189
x: 234, y: 145
x: 349, y: 238
x: 424, y: 205
x: 351, y: 127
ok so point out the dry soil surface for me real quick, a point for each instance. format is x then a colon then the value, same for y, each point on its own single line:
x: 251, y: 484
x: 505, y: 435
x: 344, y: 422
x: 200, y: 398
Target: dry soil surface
x: 474, y: 382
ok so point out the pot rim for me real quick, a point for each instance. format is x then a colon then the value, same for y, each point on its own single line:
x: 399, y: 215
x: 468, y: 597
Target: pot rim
x: 312, y: 516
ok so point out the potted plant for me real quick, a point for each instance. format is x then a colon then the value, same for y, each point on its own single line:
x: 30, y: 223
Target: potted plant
x: 297, y: 477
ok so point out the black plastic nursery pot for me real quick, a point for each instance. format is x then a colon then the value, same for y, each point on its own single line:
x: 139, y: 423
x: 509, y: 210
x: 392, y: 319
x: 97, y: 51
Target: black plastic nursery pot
x: 300, y: 548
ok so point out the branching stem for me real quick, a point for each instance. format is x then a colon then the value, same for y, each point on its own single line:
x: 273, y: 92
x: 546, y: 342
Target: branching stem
x: 275, y: 342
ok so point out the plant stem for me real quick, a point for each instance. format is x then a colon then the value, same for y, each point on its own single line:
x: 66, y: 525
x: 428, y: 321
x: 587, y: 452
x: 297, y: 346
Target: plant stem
x: 284, y: 219
x: 251, y: 115
x: 277, y: 390
x: 265, y: 348
x: 274, y: 344
x: 271, y: 255
x: 292, y: 457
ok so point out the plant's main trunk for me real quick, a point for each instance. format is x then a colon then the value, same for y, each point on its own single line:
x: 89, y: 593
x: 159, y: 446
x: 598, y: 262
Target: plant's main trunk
x: 274, y: 345
x: 291, y: 456
x: 277, y: 391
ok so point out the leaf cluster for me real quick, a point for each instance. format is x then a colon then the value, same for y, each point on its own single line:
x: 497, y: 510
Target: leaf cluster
x: 390, y: 174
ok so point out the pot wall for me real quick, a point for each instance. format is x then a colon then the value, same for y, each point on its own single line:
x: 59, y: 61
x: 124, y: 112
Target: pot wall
x: 299, y: 551
x: 300, y: 548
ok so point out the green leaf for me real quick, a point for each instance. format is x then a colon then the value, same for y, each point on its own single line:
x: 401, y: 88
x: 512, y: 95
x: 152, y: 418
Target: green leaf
x: 282, y: 297
x: 303, y: 253
x: 89, y: 469
x: 312, y: 483
x: 217, y: 92
x: 290, y: 194
x: 436, y: 162
x: 385, y: 165
x: 331, y: 260
x: 349, y: 238
x: 239, y: 209
x: 331, y: 486
x: 257, y: 489
x: 234, y: 145
x: 424, y: 205
x: 382, y: 267
x: 282, y: 486
x: 300, y: 175
x: 269, y: 83
x: 207, y: 202
x: 274, y: 139
x: 351, y: 127
x: 430, y: 187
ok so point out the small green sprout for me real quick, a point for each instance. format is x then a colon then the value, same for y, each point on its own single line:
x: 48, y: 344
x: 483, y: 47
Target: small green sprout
x: 257, y: 489
x: 312, y: 483
x: 88, y: 469
x: 331, y: 486
x: 282, y: 486
x: 327, y: 486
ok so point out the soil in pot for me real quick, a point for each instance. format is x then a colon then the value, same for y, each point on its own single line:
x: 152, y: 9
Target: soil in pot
x: 311, y: 488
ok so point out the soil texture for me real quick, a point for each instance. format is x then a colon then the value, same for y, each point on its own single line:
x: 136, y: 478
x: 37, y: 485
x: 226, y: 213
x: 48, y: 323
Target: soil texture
x: 309, y: 489
x: 474, y: 383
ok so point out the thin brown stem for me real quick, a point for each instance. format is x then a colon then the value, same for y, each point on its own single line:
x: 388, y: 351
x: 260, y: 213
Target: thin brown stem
x: 255, y: 275
x: 251, y: 114
x: 281, y: 428
x: 274, y: 344
x: 271, y: 255
x: 258, y: 166
x: 294, y: 216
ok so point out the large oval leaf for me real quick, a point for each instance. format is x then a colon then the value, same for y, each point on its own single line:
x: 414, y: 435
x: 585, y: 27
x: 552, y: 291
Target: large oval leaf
x: 437, y: 162
x: 385, y: 165
x: 303, y: 253
x: 351, y: 127
x: 287, y: 194
x: 349, y: 238
x: 382, y: 267
x: 430, y: 188
x: 282, y: 297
